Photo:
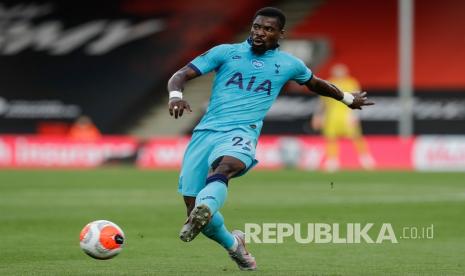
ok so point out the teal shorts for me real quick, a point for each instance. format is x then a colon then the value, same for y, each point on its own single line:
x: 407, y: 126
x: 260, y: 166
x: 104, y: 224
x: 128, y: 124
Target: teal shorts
x: 205, y: 147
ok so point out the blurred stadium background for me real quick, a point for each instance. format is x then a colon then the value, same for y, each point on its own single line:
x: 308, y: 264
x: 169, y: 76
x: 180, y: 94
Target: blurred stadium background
x: 110, y: 61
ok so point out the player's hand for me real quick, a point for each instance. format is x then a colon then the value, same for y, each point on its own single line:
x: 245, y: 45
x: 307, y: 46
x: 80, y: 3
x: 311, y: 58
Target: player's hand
x: 360, y: 99
x: 176, y: 107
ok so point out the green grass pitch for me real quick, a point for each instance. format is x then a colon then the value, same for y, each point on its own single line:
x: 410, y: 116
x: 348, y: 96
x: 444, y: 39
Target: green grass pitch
x: 42, y: 213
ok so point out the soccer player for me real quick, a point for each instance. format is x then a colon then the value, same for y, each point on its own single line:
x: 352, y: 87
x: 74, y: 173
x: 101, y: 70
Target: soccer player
x: 249, y: 77
x: 337, y: 121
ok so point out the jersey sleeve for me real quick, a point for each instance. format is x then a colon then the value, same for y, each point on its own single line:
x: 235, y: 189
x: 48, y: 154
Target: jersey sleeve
x: 302, y: 72
x: 209, y: 60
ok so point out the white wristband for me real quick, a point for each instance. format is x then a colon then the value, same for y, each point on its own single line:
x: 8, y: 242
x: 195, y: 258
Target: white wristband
x: 348, y: 98
x: 175, y: 94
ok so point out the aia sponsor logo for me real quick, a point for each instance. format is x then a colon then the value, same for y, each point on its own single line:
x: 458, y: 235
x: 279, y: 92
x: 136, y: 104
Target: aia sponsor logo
x: 238, y: 80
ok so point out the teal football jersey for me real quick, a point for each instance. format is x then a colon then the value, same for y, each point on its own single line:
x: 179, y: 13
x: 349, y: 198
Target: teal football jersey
x: 245, y: 85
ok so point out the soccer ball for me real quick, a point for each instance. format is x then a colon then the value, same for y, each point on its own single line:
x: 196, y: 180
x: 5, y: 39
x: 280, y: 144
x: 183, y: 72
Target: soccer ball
x: 101, y: 239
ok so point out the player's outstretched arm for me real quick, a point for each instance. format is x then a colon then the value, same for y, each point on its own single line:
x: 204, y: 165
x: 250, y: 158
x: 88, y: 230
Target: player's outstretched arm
x: 324, y: 88
x: 176, y: 104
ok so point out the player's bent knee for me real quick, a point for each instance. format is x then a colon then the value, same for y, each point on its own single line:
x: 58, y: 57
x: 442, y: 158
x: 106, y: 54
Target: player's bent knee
x: 229, y: 166
x: 216, y: 163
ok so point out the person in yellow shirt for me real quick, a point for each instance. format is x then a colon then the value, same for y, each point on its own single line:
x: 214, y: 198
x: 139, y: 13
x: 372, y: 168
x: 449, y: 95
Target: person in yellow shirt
x: 336, y: 121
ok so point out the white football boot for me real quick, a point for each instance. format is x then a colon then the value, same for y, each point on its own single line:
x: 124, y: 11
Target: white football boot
x: 243, y: 259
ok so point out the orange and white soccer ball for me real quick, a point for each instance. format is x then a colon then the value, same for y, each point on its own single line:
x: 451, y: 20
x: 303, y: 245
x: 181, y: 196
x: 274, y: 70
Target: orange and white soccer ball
x: 102, y: 239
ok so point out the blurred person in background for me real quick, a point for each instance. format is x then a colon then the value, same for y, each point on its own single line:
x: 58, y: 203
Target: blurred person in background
x: 249, y: 77
x: 84, y: 129
x: 337, y: 121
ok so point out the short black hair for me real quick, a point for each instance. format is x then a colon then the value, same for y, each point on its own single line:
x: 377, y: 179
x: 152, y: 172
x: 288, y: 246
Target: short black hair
x: 272, y: 12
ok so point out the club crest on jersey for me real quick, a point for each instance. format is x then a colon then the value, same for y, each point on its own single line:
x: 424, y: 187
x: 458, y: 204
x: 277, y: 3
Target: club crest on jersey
x: 277, y: 68
x: 257, y: 64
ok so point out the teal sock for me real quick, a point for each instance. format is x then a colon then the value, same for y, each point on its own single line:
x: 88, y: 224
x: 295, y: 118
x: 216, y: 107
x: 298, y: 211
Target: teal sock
x: 216, y: 230
x: 214, y: 193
